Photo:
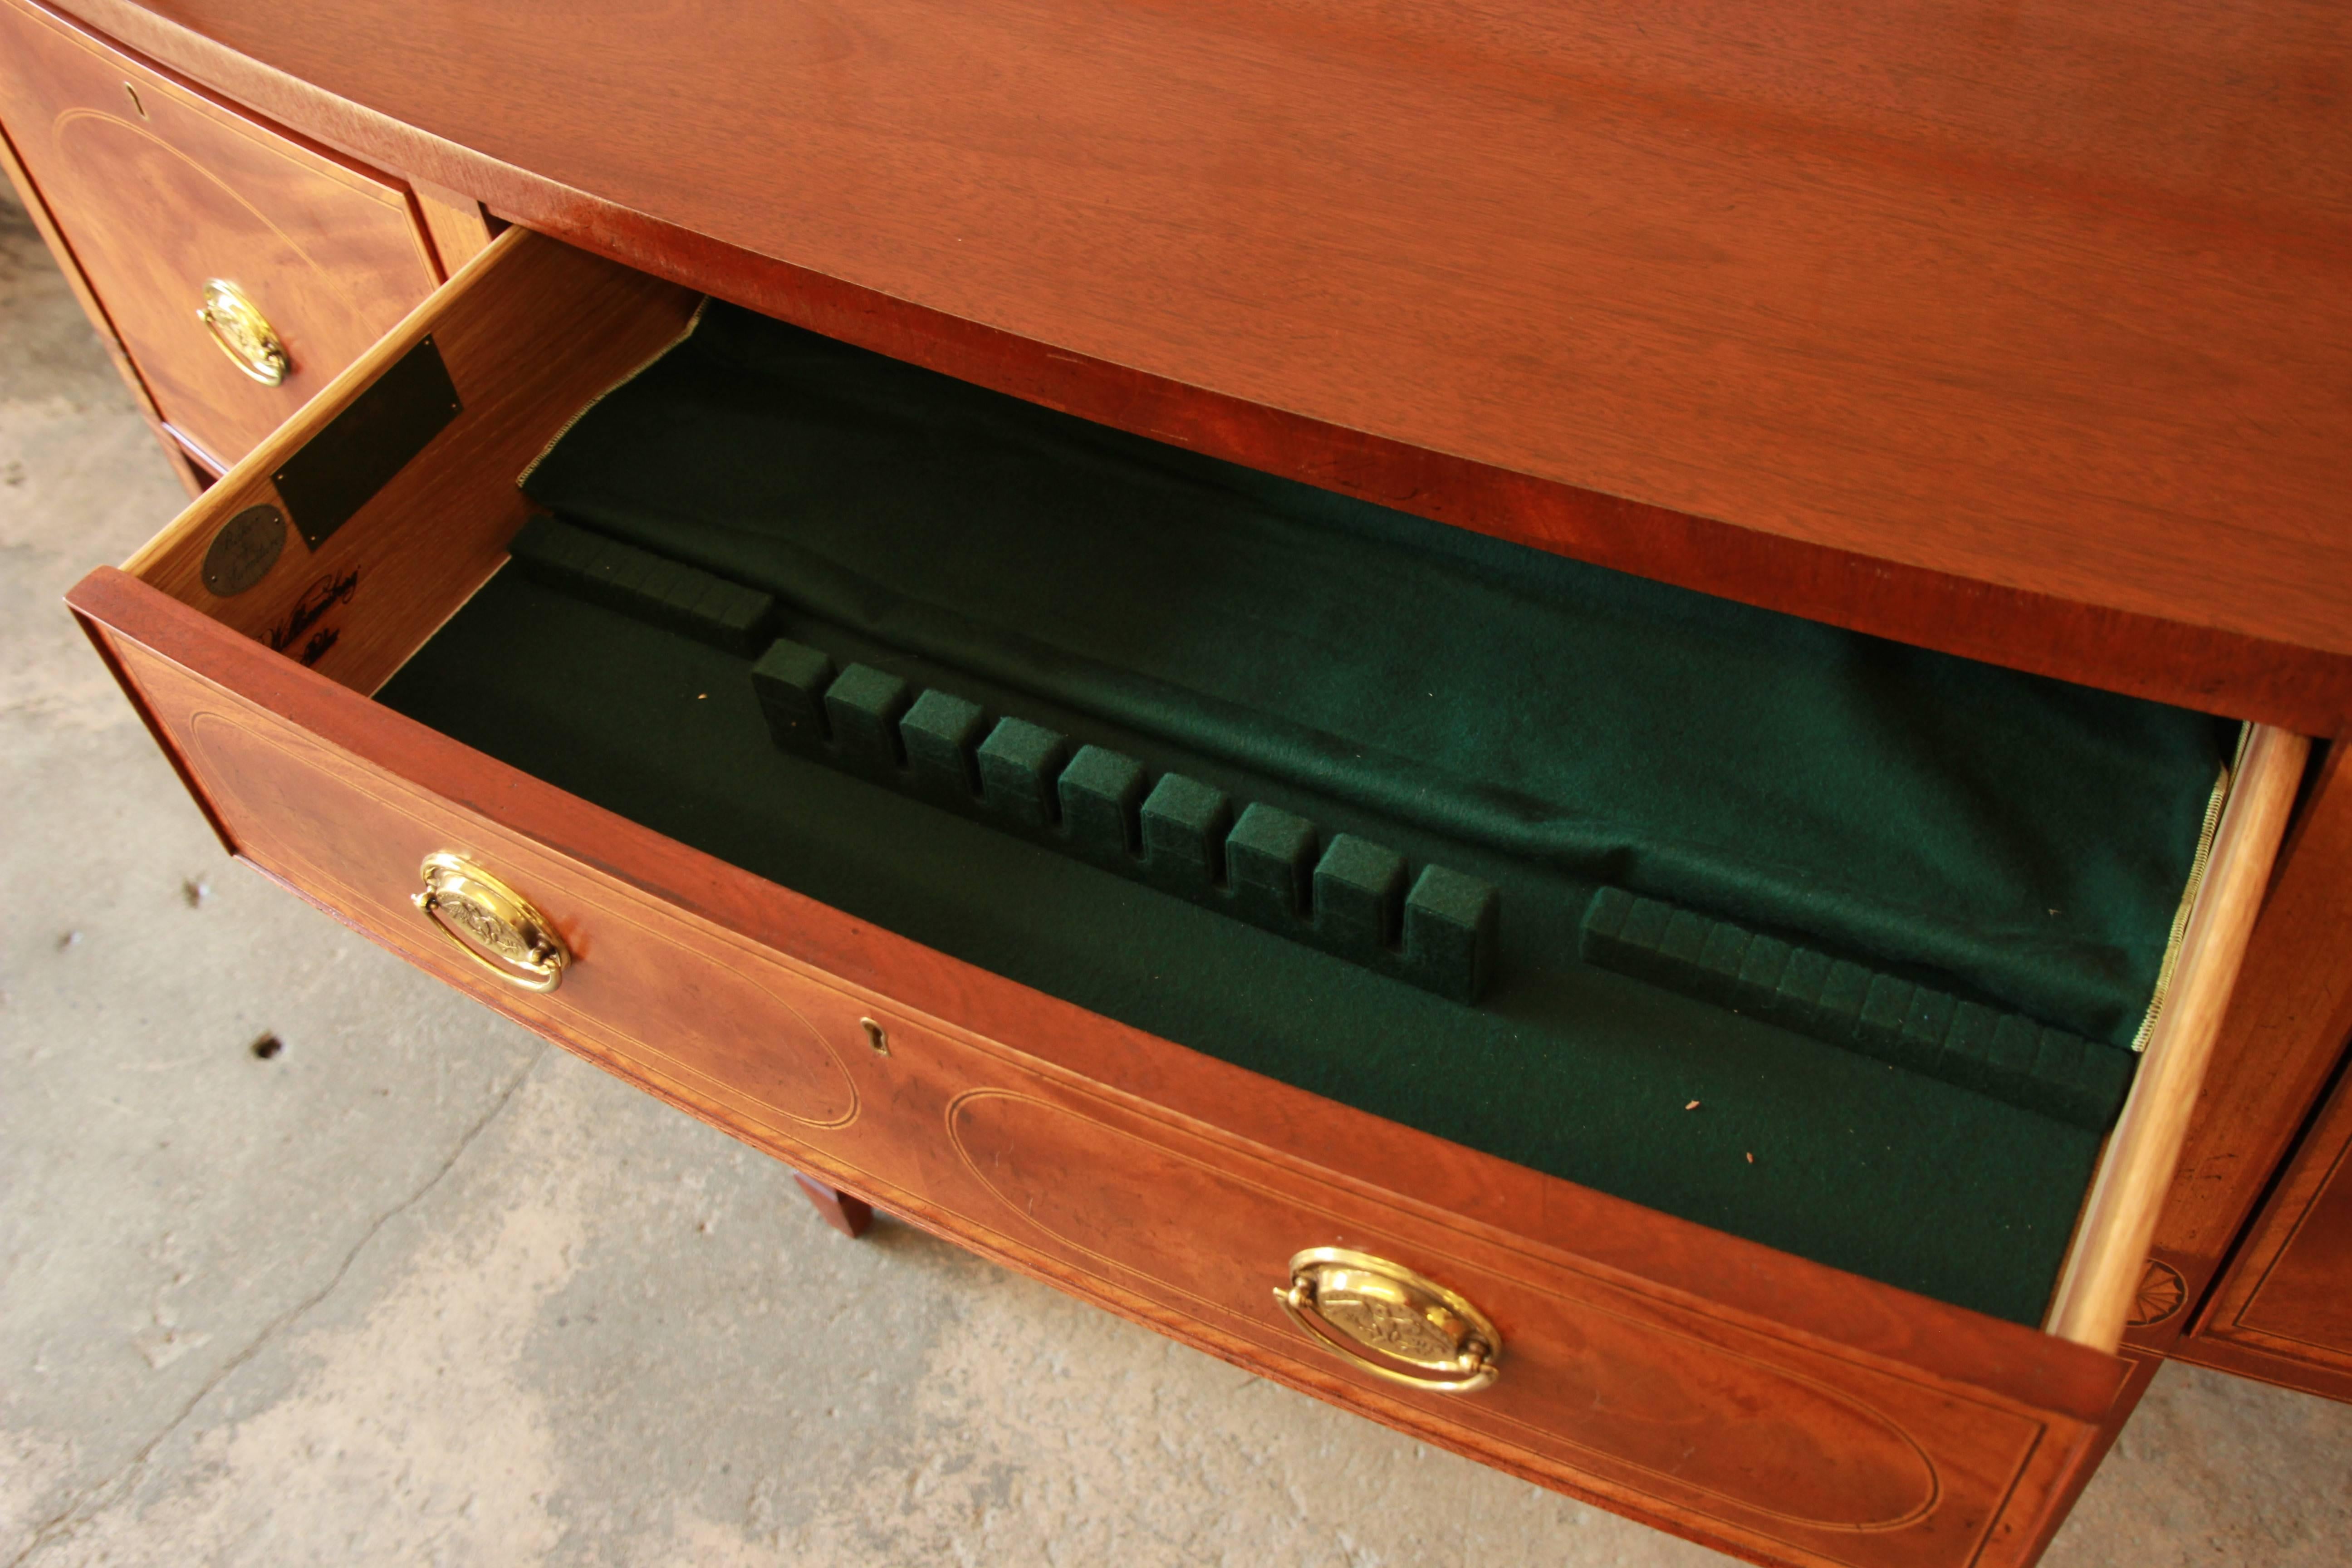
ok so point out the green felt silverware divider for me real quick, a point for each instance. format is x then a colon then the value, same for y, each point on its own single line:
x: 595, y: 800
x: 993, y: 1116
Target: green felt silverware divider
x: 1273, y: 867
x: 1353, y: 900
x: 639, y: 583
x: 2031, y: 838
x: 1900, y: 1022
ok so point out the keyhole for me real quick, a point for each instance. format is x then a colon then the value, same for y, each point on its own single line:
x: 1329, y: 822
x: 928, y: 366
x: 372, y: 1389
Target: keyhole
x: 875, y: 1037
x: 138, y: 107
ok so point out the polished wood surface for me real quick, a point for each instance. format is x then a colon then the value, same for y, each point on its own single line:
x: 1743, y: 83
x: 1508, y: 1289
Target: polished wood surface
x: 2141, y: 1369
x: 157, y: 188
x: 1764, y: 1405
x: 2283, y: 1311
x: 2100, y: 1285
x: 28, y: 196
x: 1850, y: 435
x: 441, y: 526
x: 2280, y: 1038
x: 2031, y: 330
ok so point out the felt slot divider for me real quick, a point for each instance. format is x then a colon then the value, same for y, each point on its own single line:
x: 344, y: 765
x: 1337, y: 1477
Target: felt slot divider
x: 2005, y: 1055
x: 1543, y: 723
x: 1351, y: 897
x: 1340, y: 893
x: 653, y: 588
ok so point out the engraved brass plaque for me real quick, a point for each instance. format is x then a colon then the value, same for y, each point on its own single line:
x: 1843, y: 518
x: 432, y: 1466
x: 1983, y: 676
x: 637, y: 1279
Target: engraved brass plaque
x: 244, y: 550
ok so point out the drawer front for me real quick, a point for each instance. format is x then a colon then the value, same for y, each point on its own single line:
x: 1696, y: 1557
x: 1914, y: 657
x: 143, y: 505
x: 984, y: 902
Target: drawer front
x: 1651, y: 1402
x: 1716, y: 1422
x: 161, y: 190
x: 2283, y: 1311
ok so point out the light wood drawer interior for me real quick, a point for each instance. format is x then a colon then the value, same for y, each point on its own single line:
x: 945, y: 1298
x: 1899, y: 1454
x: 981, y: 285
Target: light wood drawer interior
x: 1666, y: 1369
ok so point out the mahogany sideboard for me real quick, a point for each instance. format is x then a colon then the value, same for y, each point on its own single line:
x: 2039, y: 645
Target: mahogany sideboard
x: 2024, y: 338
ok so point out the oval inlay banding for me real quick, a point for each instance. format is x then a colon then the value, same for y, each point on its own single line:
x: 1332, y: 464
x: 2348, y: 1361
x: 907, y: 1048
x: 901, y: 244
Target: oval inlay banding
x: 1690, y: 1415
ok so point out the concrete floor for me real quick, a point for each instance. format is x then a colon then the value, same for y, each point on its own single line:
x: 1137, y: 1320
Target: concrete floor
x: 419, y: 1288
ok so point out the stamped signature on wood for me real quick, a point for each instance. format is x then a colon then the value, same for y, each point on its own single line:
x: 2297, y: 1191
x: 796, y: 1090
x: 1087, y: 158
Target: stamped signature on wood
x: 302, y: 623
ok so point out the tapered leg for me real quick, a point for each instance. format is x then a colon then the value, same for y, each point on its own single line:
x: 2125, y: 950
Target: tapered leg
x: 846, y: 1215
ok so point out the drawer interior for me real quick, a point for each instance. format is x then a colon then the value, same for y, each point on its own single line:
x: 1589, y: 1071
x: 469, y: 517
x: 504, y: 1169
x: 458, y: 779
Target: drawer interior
x: 1993, y: 866
x: 1545, y: 728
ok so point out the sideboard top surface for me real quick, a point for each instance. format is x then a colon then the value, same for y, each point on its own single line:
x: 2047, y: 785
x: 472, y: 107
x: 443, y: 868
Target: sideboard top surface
x: 2054, y: 298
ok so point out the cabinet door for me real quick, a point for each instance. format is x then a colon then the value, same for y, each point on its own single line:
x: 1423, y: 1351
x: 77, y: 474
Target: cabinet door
x: 2282, y: 1312
x: 162, y: 193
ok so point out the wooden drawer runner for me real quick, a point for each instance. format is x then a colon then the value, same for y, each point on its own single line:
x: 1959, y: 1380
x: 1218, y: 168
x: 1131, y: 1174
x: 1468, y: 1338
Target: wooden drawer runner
x: 1758, y: 1401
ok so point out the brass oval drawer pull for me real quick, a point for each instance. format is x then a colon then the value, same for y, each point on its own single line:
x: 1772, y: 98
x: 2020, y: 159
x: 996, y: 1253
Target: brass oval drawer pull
x: 1416, y: 1332
x: 462, y: 898
x: 243, y: 333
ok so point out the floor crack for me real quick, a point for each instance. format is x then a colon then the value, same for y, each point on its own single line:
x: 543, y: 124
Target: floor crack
x: 85, y: 1507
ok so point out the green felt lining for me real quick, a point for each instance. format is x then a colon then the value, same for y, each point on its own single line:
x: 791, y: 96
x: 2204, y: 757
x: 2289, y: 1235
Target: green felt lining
x: 1573, y: 1071
x: 2028, y: 838
x: 1539, y: 726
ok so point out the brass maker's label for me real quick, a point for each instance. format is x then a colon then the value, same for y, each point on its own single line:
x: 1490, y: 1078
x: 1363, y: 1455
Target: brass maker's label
x: 244, y: 550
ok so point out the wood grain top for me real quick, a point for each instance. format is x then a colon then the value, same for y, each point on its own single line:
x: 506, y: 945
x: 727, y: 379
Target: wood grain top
x: 2049, y: 300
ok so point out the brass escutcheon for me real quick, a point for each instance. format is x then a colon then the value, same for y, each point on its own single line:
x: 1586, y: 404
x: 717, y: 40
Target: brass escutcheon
x: 459, y: 898
x: 243, y: 333
x: 1391, y: 1321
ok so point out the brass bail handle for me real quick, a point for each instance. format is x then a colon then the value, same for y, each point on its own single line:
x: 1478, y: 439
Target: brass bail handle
x: 475, y: 912
x: 1391, y: 1321
x: 243, y: 333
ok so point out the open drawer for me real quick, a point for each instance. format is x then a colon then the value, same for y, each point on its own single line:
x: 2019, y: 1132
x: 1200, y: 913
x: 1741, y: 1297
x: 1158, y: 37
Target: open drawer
x: 1725, y: 1389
